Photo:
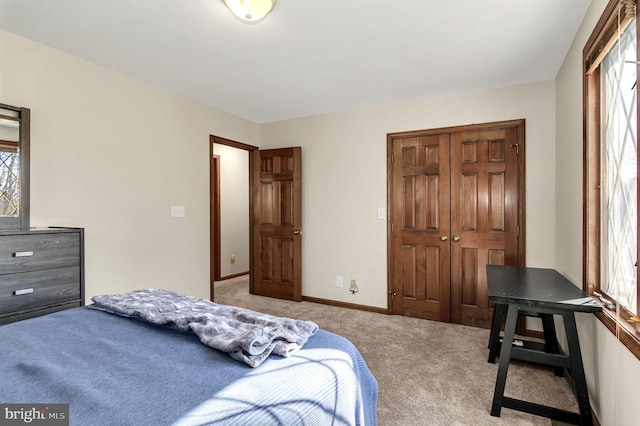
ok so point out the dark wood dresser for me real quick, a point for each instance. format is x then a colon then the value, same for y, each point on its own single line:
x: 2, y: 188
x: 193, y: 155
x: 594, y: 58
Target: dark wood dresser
x: 41, y: 271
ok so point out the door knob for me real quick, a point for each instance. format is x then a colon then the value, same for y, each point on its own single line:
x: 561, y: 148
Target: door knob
x: 456, y: 238
x: 297, y: 232
x: 444, y: 238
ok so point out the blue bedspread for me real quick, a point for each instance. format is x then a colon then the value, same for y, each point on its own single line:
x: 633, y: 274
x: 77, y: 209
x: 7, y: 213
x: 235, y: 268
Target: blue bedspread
x: 118, y: 371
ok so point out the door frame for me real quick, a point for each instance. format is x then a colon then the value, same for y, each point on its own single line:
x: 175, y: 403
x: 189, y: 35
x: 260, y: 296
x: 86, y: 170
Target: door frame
x: 519, y: 124
x: 216, y: 227
x: 214, y: 209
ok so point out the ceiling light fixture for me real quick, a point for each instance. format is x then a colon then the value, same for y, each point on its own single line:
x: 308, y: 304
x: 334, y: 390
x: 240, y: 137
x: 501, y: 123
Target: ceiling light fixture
x: 250, y: 10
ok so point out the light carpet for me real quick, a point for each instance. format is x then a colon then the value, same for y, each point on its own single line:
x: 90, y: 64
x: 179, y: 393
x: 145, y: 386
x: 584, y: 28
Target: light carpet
x: 428, y: 372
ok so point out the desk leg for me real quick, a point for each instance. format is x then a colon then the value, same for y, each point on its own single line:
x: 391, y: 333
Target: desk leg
x: 577, y: 369
x: 505, y: 356
x: 494, y: 336
x: 551, y: 339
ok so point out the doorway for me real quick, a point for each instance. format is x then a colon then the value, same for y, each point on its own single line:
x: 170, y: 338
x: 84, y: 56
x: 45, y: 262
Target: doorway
x: 274, y: 219
x: 218, y: 272
x: 456, y: 203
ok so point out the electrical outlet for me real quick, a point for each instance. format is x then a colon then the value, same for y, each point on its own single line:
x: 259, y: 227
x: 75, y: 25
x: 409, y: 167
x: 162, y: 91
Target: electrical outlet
x: 339, y: 281
x: 354, y: 287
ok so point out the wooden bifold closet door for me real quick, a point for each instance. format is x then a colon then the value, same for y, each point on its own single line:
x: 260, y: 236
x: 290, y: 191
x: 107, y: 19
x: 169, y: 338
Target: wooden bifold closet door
x: 456, y: 201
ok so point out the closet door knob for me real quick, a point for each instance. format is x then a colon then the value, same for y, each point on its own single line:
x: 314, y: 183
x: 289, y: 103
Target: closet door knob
x: 456, y: 238
x: 444, y: 238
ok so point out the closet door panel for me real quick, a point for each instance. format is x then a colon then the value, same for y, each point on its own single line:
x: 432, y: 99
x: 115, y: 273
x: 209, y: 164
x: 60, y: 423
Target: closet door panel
x: 482, y: 164
x: 421, y: 261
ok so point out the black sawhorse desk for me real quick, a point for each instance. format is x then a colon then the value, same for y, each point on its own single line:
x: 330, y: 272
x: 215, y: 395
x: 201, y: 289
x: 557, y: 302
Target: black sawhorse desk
x: 545, y: 292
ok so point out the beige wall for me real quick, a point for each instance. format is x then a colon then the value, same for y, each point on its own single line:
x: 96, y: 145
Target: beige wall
x: 344, y: 180
x: 234, y: 209
x: 112, y: 154
x: 612, y: 371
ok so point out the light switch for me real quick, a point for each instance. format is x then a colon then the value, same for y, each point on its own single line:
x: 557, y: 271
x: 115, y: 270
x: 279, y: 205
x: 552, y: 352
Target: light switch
x: 177, y: 211
x: 382, y: 213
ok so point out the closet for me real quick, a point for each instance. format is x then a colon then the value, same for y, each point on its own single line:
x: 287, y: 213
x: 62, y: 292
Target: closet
x: 456, y: 204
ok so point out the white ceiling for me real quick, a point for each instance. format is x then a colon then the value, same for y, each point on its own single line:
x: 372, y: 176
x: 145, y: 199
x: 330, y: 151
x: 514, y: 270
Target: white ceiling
x: 309, y: 57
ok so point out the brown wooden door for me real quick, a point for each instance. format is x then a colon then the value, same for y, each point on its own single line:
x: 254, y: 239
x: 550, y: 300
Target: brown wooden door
x: 456, y: 205
x: 277, y: 223
x: 484, y: 216
x: 420, y: 211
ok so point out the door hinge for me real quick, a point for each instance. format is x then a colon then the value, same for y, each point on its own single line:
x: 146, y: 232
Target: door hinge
x: 392, y: 158
x: 517, y: 147
x: 517, y: 230
x: 392, y: 227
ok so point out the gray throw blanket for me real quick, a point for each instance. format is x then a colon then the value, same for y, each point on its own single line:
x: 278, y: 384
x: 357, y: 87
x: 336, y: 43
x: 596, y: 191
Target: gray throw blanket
x: 246, y: 335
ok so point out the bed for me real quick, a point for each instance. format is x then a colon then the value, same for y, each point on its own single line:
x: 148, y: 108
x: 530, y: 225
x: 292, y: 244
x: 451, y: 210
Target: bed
x: 114, y: 370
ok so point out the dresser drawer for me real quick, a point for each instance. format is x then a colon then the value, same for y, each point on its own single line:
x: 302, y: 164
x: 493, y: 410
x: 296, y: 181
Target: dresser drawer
x: 32, y: 252
x: 35, y: 289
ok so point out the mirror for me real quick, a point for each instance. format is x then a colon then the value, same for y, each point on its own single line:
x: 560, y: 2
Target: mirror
x: 14, y: 167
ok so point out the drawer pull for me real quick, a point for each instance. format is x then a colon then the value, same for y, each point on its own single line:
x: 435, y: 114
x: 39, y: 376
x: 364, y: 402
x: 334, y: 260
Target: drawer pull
x: 23, y: 254
x: 23, y: 291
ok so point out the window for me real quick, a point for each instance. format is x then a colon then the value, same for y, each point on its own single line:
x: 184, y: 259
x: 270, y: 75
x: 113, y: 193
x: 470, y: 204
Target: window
x: 618, y: 217
x: 611, y: 169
